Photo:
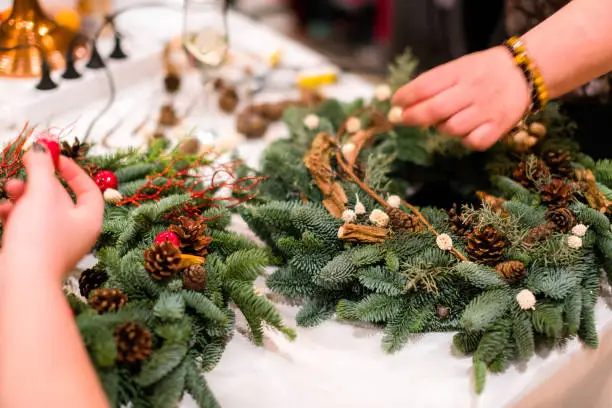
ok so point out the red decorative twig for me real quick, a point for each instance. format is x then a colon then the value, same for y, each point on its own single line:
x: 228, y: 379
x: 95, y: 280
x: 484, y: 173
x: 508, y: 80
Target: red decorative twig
x: 10, y: 162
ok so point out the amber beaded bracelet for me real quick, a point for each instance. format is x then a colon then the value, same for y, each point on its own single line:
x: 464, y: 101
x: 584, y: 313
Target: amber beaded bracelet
x: 539, y: 95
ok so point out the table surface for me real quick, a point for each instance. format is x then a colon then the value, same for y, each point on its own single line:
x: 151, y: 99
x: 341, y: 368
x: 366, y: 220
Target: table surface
x: 335, y: 364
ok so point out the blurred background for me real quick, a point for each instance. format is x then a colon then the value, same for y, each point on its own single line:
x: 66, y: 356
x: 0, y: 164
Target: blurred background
x: 364, y: 35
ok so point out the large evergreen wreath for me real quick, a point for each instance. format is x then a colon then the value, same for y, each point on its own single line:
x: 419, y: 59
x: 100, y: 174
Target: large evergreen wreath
x: 516, y: 265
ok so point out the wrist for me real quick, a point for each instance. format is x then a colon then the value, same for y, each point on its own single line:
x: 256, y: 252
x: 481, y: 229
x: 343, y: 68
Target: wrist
x: 516, y: 78
x: 15, y: 269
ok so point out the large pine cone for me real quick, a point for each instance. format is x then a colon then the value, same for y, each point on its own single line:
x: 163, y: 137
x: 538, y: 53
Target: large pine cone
x: 192, y: 234
x: 134, y: 343
x: 400, y: 221
x: 91, y: 279
x: 77, y: 151
x: 560, y: 163
x: 563, y: 218
x: 526, y: 174
x: 540, y: 233
x: 460, y: 227
x: 556, y: 194
x: 194, y: 278
x: 163, y: 260
x: 486, y: 245
x: 511, y: 271
x: 107, y: 300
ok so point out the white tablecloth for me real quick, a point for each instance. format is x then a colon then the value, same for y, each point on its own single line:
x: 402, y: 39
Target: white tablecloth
x: 334, y: 365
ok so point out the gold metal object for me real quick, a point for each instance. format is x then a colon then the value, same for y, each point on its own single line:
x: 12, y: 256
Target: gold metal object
x: 29, y: 25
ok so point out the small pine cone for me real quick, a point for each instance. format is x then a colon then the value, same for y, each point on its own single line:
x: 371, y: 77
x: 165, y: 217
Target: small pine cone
x: 2, y: 184
x: 459, y: 226
x: 172, y: 83
x: 194, y: 278
x: 527, y: 173
x: 511, y: 271
x: 563, y: 219
x: 163, y: 260
x: 192, y: 234
x: 400, y: 221
x: 556, y: 194
x: 107, y: 300
x: 228, y: 100
x: 134, y: 343
x: 442, y: 311
x: 91, y: 279
x: 76, y: 151
x: 560, y: 163
x: 486, y: 245
x: 540, y: 233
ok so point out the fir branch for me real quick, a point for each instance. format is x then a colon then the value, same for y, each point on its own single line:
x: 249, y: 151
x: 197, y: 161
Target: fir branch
x: 522, y: 332
x: 423, y: 276
x: 511, y: 189
x: 204, y: 307
x: 399, y: 329
x: 494, y: 340
x: 315, y: 312
x: 377, y: 308
x: 486, y: 308
x: 467, y: 342
x: 593, y: 218
x: 161, y: 363
x: 198, y: 388
x: 402, y: 70
x: 381, y: 280
x: 480, y: 276
x: 169, y: 306
x: 547, y: 319
x: 169, y: 390
x: 555, y: 282
x: 572, y: 310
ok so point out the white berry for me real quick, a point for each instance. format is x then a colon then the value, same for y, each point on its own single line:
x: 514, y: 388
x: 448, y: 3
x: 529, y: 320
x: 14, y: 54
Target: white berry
x: 394, y: 201
x: 311, y: 122
x: 353, y: 125
x: 526, y: 299
x: 112, y: 196
x: 349, y: 215
x: 359, y: 207
x: 340, y: 232
x: 574, y: 242
x: 379, y: 218
x: 580, y: 230
x: 395, y: 115
x: 383, y: 92
x: 347, y: 149
x: 444, y: 242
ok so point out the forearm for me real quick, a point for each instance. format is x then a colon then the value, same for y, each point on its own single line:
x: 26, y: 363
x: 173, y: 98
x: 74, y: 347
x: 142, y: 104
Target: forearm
x: 43, y: 360
x: 573, y: 46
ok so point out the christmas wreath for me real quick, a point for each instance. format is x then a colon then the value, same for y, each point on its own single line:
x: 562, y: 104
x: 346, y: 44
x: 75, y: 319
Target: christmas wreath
x: 518, y: 267
x: 158, y: 308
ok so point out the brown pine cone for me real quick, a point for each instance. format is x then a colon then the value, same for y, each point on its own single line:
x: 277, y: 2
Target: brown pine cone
x: 511, y: 271
x: 486, y: 245
x: 563, y: 218
x: 556, y: 194
x: 527, y: 175
x: 194, y: 278
x: 228, y: 100
x: 251, y: 124
x: 192, y: 234
x: 134, y: 343
x: 460, y: 227
x: 539, y: 233
x: 163, y: 260
x: 2, y: 184
x: 560, y: 163
x: 172, y: 83
x: 401, y: 221
x: 91, y: 279
x: 167, y: 116
x: 107, y: 300
x: 442, y: 311
x: 77, y: 151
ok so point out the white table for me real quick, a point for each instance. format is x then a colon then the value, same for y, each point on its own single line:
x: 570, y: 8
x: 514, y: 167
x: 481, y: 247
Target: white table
x: 334, y: 365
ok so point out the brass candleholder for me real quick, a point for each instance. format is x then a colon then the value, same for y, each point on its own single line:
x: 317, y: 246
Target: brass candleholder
x: 30, y: 29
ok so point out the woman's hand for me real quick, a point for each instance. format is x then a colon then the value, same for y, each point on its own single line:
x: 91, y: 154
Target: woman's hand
x: 479, y: 97
x: 44, y: 230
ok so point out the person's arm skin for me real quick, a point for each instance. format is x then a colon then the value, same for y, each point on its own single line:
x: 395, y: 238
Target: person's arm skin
x: 483, y: 95
x: 43, y: 361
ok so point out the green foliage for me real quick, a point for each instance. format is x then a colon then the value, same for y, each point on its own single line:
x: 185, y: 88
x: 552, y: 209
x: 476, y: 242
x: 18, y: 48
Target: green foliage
x: 555, y: 282
x: 603, y: 172
x: 402, y: 70
x: 486, y: 309
x: 547, y: 319
x: 522, y: 331
x: 511, y: 189
x: 480, y: 276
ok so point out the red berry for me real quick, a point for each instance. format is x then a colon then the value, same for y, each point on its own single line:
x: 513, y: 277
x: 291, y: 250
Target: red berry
x: 52, y: 145
x: 106, y: 179
x: 167, y: 236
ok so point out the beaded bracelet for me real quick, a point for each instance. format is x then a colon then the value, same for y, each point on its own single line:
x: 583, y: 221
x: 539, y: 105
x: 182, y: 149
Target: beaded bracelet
x: 539, y: 95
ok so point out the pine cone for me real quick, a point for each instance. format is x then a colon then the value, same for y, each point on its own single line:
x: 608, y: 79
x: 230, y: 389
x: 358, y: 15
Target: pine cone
x: 107, y: 300
x: 400, y: 221
x: 563, y: 218
x: 2, y: 184
x: 77, y: 151
x: 486, y: 245
x: 192, y: 234
x: 163, y: 260
x: 91, y: 279
x: 511, y: 271
x: 172, y: 83
x: 526, y: 174
x: 540, y: 233
x: 228, y: 100
x: 194, y: 278
x: 556, y: 194
x: 460, y: 227
x: 134, y: 343
x: 560, y: 163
